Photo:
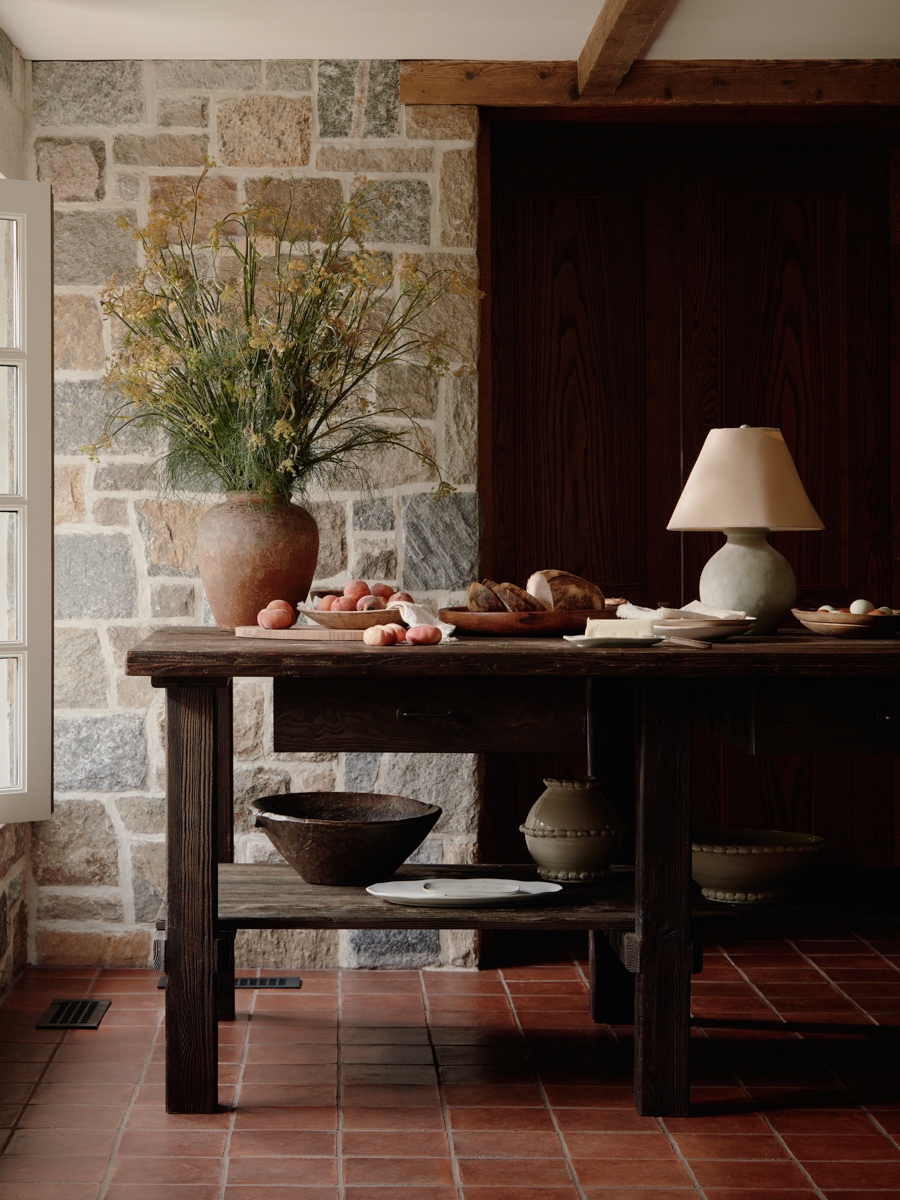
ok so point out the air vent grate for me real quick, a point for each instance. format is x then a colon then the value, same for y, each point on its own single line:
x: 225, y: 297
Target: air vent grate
x: 267, y: 981
x: 74, y: 1014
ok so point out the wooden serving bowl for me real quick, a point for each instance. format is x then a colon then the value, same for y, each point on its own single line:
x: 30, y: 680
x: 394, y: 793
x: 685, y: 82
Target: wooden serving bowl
x: 849, y: 625
x: 344, y: 838
x: 354, y: 620
x: 524, y: 624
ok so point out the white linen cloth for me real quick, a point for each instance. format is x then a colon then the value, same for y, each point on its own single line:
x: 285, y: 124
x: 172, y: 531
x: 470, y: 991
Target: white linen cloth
x: 694, y: 609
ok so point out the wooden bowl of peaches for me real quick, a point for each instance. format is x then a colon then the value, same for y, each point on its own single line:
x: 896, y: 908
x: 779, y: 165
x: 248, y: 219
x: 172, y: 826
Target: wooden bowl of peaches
x: 861, y: 619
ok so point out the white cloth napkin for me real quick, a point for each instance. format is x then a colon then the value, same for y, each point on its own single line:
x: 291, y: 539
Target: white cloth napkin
x: 694, y: 609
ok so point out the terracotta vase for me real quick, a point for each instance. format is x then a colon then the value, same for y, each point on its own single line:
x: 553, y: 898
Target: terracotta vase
x: 251, y: 551
x: 572, y: 831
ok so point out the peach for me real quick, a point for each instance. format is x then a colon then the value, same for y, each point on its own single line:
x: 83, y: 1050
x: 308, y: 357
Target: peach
x: 400, y: 596
x: 378, y: 635
x: 356, y: 588
x: 275, y: 618
x: 325, y: 603
x: 384, y: 590
x: 400, y: 631
x: 423, y: 635
x: 344, y: 604
x: 365, y: 603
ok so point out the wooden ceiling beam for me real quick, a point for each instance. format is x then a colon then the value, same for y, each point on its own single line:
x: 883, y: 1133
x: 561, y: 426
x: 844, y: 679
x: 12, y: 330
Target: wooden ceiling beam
x: 782, y: 82
x: 615, y: 42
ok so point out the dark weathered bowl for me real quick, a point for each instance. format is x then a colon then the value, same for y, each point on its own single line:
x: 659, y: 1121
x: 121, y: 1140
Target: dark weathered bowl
x: 344, y: 838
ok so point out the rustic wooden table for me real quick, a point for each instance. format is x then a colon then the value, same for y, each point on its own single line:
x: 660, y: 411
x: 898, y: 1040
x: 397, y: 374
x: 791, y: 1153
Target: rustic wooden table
x: 786, y: 693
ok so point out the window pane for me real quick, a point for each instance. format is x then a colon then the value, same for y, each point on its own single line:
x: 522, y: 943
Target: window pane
x: 9, y: 576
x: 9, y: 424
x: 9, y: 285
x: 9, y: 734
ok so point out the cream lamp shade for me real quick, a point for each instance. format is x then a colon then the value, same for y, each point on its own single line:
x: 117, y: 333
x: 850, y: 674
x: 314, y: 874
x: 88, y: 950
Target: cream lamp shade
x: 744, y: 479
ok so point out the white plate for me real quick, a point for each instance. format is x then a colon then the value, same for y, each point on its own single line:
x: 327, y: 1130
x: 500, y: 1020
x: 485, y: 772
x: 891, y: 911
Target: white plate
x: 707, y: 629
x: 612, y: 641
x: 460, y: 893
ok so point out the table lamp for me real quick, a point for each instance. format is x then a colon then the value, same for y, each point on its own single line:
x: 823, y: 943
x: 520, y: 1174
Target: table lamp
x: 744, y: 482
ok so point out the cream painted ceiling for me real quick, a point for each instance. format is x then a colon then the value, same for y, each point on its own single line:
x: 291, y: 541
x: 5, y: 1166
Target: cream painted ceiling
x: 467, y: 29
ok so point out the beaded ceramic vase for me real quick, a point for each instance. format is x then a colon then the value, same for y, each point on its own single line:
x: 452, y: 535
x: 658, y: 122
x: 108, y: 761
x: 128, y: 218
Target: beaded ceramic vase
x: 572, y: 832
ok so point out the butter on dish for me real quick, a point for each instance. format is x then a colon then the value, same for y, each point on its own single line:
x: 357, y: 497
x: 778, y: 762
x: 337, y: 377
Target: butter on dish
x: 623, y: 627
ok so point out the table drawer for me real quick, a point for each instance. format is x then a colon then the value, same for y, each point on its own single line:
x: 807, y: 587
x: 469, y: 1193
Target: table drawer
x: 455, y: 714
x: 808, y: 716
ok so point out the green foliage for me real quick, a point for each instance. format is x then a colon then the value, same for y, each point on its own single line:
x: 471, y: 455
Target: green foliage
x: 253, y: 344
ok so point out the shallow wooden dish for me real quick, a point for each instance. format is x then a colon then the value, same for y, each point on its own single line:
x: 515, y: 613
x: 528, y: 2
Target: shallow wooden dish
x: 848, y: 625
x: 524, y: 624
x: 354, y: 620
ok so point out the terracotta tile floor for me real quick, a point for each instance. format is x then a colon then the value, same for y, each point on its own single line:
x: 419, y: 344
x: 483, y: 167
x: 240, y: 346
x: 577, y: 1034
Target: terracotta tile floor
x: 407, y: 1085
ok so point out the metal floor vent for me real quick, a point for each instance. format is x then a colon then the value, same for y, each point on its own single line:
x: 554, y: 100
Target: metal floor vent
x: 74, y: 1014
x: 267, y: 981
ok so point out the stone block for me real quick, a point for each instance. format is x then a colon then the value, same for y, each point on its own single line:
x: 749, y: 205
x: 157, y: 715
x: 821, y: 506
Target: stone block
x: 13, y: 845
x: 172, y: 600
x: 169, y: 532
x: 373, y: 513
x: 142, y: 814
x: 441, y: 122
x: 393, y: 949
x: 110, y: 512
x: 360, y: 771
x: 337, y: 91
x: 184, y: 111
x: 137, y: 692
x: 461, y: 948
x: 331, y: 518
x: 249, y: 712
x: 461, y: 429
x: 76, y: 847
x: 95, y: 576
x: 458, y: 204
x: 287, y: 949
x: 80, y: 678
x: 128, y: 187
x: 160, y: 149
x: 431, y: 851
x: 407, y: 218
x: 71, y: 948
x: 64, y: 906
x: 441, y: 539
x: 99, y: 754
x: 4, y: 924
x: 122, y: 637
x: 251, y: 783
x: 289, y: 74
x: 74, y: 166
x: 89, y: 247
x: 218, y: 74
x: 455, y: 316
x: 382, y: 99
x: 393, y: 466
x: 312, y: 200
x: 265, y: 131
x: 375, y: 561
x: 383, y: 160
x: 88, y: 93
x: 125, y: 477
x: 451, y: 781
x: 148, y: 879
x: 7, y: 59
x: 77, y: 334
x: 79, y: 410
x: 316, y: 779
x: 250, y: 849
x: 220, y: 199
x: 68, y: 495
x: 408, y: 386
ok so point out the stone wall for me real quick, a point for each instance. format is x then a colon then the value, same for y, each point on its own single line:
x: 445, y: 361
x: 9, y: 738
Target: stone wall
x: 105, y: 134
x: 13, y: 76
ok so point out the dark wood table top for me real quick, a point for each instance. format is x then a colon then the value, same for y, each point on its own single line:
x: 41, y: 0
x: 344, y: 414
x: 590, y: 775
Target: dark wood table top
x: 199, y: 652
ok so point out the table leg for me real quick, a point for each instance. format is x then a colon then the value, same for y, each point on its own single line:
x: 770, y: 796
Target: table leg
x: 191, y: 780
x: 662, y: 919
x: 225, y: 839
x: 611, y: 983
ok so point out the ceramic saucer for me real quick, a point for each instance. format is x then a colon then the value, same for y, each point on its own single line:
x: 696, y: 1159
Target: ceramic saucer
x: 460, y: 893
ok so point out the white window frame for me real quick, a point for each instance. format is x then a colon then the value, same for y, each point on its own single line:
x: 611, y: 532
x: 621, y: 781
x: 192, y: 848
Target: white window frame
x: 31, y: 797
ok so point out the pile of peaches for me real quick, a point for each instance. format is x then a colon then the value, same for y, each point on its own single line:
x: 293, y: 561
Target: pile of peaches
x: 357, y: 597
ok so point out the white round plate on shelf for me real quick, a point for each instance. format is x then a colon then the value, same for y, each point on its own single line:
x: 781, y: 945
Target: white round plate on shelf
x: 707, y: 629
x: 588, y: 642
x: 460, y: 893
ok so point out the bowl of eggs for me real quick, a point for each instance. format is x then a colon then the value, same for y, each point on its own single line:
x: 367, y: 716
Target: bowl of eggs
x: 861, y: 619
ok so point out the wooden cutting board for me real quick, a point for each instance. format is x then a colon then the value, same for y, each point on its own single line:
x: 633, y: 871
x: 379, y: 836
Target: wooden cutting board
x: 300, y: 634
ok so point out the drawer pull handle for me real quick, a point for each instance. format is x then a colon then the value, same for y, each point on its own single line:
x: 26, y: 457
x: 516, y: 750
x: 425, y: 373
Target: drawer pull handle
x: 408, y: 714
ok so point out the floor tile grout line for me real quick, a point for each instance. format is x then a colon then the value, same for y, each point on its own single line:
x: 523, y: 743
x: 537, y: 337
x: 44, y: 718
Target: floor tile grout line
x: 235, y: 1097
x: 567, y: 1158
x: 339, y: 1083
x: 866, y: 942
x: 35, y: 1084
x: 831, y: 982
x: 117, y: 1139
x: 445, y: 1113
x: 759, y: 992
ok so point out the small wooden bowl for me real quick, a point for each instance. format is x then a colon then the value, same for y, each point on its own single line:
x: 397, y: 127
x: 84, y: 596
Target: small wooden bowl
x: 849, y: 625
x: 354, y: 620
